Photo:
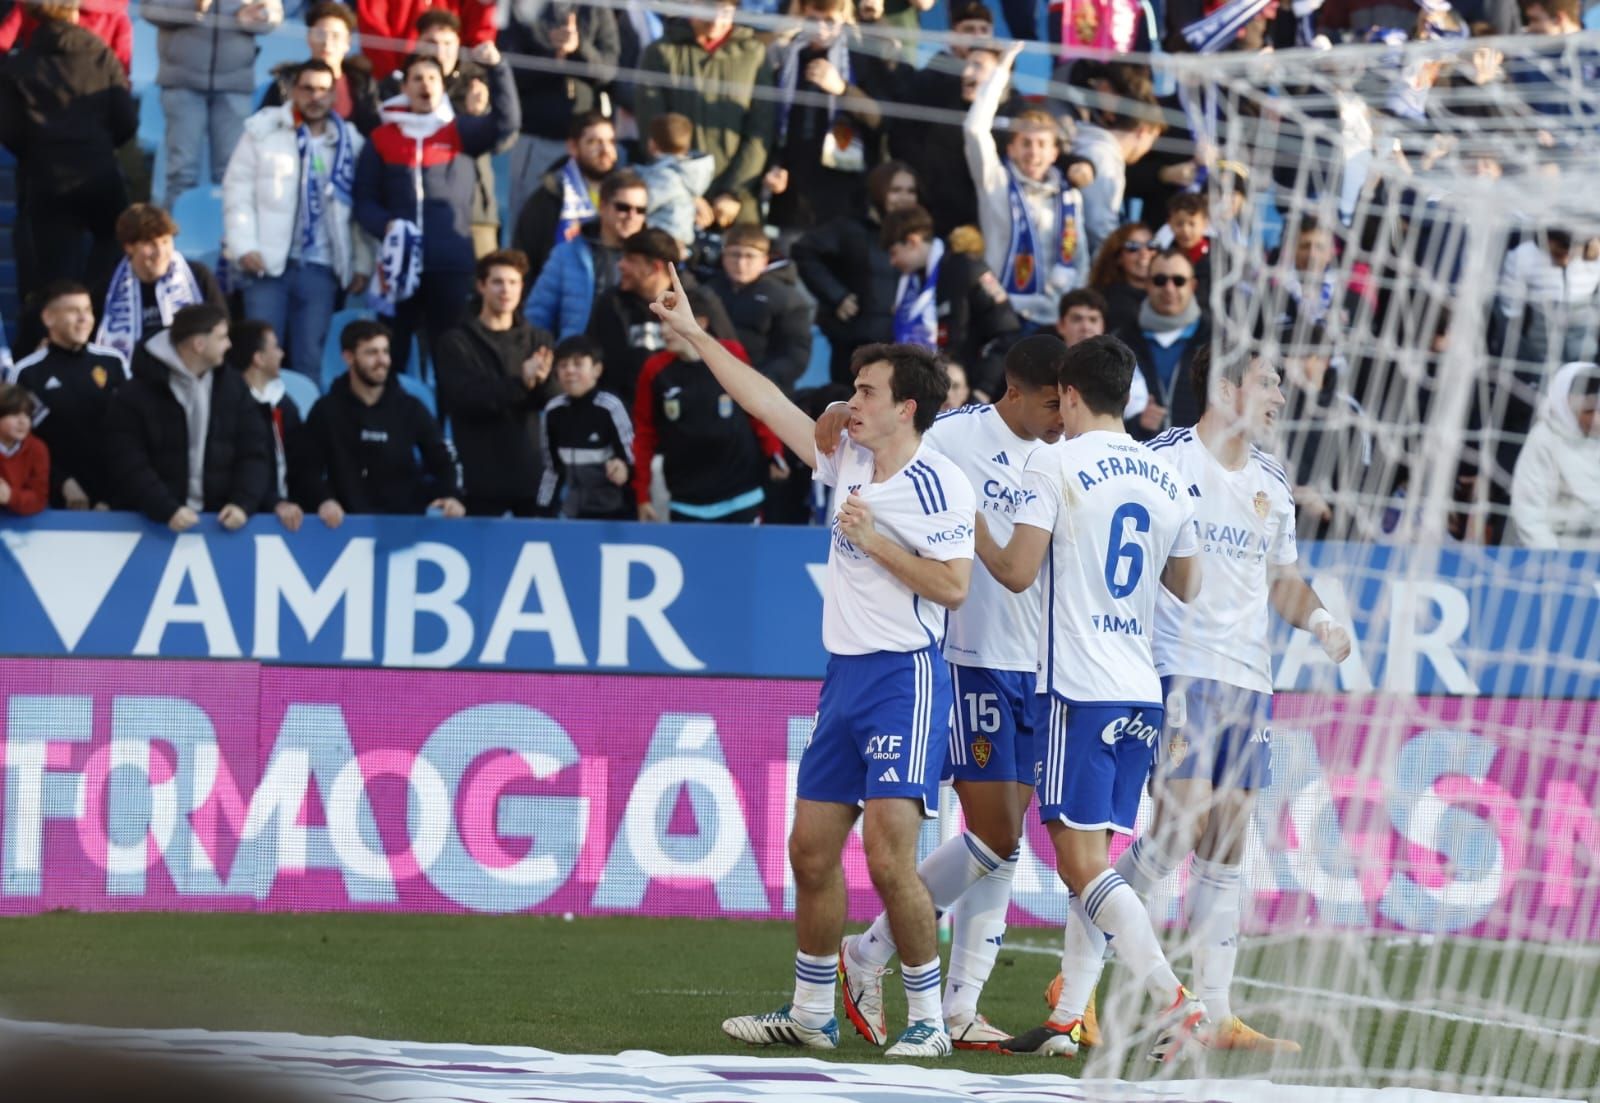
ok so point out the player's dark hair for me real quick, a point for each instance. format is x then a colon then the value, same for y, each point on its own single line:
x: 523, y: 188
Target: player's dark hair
x: 360, y: 331
x: 192, y: 321
x: 1232, y: 369
x: 1083, y: 296
x: 916, y: 375
x: 246, y: 338
x: 1185, y: 202
x: 1101, y: 370
x: 1034, y: 363
x: 577, y: 347
x: 620, y: 180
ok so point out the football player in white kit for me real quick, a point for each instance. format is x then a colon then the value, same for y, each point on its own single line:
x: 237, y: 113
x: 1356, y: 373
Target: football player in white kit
x: 1213, y: 656
x: 900, y: 556
x: 991, y: 644
x: 1110, y: 523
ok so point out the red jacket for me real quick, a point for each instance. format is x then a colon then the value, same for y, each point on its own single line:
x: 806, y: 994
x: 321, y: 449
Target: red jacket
x: 28, y: 475
x: 381, y: 19
x: 105, y: 19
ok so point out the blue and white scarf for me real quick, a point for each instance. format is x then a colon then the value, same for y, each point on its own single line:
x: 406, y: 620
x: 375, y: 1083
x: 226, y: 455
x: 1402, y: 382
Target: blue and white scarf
x: 789, y: 78
x: 577, y: 208
x: 123, y: 323
x: 341, y: 178
x: 916, y: 313
x: 1218, y: 30
x: 399, y: 265
x: 1023, y: 273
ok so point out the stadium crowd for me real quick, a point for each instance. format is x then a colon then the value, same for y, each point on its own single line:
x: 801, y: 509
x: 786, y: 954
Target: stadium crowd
x: 379, y: 335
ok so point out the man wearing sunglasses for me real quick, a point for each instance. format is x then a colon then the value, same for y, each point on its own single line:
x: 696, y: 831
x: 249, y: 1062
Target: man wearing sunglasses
x: 1172, y: 327
x: 581, y: 270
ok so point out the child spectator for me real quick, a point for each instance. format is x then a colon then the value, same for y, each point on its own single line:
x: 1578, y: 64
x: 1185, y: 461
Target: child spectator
x: 676, y: 176
x: 24, y: 459
x: 587, y: 440
x: 1189, y: 220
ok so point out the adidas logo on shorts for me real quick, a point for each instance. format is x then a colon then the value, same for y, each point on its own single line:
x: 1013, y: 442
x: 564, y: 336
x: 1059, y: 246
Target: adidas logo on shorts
x: 891, y: 774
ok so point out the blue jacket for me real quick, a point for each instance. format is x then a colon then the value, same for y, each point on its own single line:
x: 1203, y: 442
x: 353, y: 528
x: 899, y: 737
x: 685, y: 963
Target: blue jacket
x: 563, y: 295
x: 385, y: 187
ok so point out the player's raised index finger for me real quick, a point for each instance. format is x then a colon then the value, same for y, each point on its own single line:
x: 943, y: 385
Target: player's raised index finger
x: 677, y: 284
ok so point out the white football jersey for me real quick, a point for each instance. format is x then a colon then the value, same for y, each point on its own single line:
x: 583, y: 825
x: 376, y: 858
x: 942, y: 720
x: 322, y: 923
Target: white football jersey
x: 1244, y: 521
x: 926, y: 507
x: 995, y: 629
x: 1115, y: 512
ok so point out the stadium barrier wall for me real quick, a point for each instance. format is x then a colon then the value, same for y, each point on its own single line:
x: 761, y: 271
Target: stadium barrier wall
x: 185, y: 785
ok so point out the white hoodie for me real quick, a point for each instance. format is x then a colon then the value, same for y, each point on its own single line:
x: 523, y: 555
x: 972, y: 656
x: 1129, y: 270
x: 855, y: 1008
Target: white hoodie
x: 1555, y: 488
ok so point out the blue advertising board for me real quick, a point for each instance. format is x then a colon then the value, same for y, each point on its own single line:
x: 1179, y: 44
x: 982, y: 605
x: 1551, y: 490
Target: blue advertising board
x: 670, y: 599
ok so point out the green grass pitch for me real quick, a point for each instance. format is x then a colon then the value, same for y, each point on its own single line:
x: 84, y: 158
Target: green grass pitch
x: 606, y: 985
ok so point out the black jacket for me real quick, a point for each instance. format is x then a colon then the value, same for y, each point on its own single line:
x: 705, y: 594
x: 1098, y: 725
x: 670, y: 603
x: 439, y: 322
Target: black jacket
x: 491, y: 413
x: 147, y: 443
x: 975, y: 320
x: 773, y: 323
x: 842, y: 258
x: 580, y: 435
x: 550, y: 100
x: 75, y: 389
x: 365, y: 457
x: 65, y: 107
x: 1183, y: 408
x: 286, y: 435
x: 629, y: 334
x: 535, y: 229
x: 817, y: 193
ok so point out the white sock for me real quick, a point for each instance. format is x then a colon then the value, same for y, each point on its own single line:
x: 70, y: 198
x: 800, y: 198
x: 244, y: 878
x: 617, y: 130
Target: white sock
x: 1144, y: 865
x: 1213, y: 914
x: 922, y: 991
x: 1116, y: 909
x: 1083, y: 955
x: 949, y: 871
x: 814, y: 979
x: 978, y: 927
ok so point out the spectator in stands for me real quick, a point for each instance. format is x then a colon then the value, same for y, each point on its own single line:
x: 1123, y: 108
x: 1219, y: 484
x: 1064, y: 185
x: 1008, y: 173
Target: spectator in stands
x: 255, y: 353
x: 948, y: 301
x: 735, y: 124
x: 582, y: 269
x: 960, y: 393
x: 65, y: 106
x: 207, y: 78
x: 1189, y: 227
x: 183, y: 438
x: 1546, y: 296
x: 567, y: 197
x: 716, y: 458
x: 494, y: 378
x: 107, y: 20
x: 622, y: 324
x: 848, y: 272
x: 24, y: 458
x: 1552, y: 17
x: 363, y: 440
x: 1170, y: 329
x: 329, y: 27
x: 389, y: 28
x: 587, y: 438
x: 1043, y: 255
x: 1081, y: 315
x: 1325, y: 442
x: 416, y: 179
x: 578, y: 35
x: 822, y: 150
x: 1555, y: 489
x: 151, y: 283
x: 1121, y: 273
x: 286, y: 207
x: 1313, y: 287
x: 74, y: 381
x: 1125, y: 138
x: 769, y: 315
x: 676, y: 176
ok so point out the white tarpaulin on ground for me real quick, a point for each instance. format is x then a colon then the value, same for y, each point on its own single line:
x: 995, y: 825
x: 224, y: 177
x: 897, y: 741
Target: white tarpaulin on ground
x: 335, y: 1069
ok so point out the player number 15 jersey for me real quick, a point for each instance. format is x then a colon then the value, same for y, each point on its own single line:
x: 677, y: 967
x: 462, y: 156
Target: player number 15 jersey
x: 1115, y: 513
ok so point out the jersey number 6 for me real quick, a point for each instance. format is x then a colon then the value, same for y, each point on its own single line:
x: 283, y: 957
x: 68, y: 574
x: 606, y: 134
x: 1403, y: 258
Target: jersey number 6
x: 1121, y: 548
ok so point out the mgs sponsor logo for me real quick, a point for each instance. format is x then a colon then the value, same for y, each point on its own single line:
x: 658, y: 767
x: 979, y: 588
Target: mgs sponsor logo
x: 950, y: 536
x: 1130, y: 727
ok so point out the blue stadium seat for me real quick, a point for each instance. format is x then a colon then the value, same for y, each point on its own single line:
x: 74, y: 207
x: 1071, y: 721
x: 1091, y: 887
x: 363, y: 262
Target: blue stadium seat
x: 302, y: 391
x: 816, y: 373
x: 198, y: 212
x: 332, y: 362
x: 418, y: 389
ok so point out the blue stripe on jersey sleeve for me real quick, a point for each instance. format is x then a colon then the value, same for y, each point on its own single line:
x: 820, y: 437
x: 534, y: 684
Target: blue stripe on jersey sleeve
x: 1272, y: 467
x: 969, y: 408
x: 916, y: 483
x: 935, y: 488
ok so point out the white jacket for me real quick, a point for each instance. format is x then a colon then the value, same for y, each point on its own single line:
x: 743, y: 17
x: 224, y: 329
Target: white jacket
x: 261, y: 199
x: 1555, y: 488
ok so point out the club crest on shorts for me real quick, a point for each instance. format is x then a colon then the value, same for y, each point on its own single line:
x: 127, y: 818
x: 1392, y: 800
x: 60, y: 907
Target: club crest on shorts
x: 1262, y: 504
x: 982, y: 749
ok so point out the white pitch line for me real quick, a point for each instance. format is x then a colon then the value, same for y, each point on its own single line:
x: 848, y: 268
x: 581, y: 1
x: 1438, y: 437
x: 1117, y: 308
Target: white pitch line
x: 1368, y: 1002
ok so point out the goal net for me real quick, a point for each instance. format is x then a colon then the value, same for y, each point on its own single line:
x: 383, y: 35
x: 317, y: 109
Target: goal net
x: 1411, y: 233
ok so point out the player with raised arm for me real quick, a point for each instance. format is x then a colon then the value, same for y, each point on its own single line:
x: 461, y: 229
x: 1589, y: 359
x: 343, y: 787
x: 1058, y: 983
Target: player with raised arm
x: 900, y: 556
x: 1109, y: 523
x: 992, y: 647
x: 1214, y: 656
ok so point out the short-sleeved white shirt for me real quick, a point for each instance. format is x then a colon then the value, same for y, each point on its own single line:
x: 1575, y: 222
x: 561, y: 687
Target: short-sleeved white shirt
x: 1115, y: 512
x: 928, y: 508
x: 994, y: 629
x: 1244, y: 521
